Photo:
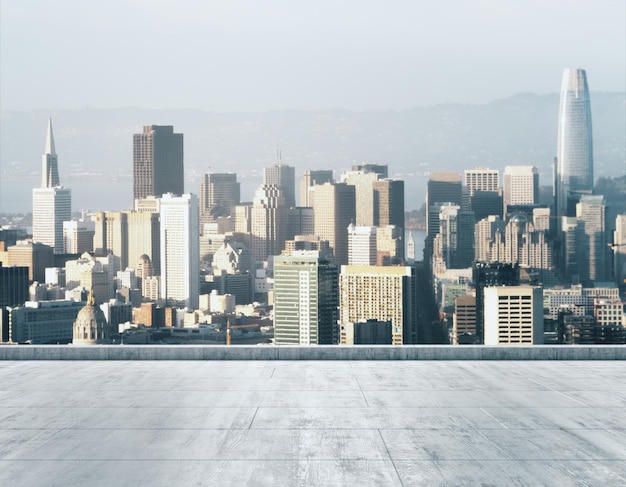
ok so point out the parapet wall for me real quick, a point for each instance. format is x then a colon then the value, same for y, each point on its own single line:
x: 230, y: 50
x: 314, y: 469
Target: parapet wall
x: 322, y: 352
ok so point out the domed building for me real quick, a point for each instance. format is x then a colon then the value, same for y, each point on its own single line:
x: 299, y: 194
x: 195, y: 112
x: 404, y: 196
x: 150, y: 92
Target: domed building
x: 90, y: 327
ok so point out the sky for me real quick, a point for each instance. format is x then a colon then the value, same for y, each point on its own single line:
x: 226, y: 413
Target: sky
x: 249, y: 55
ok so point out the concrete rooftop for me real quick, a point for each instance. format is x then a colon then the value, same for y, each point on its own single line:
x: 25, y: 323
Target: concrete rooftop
x: 321, y: 423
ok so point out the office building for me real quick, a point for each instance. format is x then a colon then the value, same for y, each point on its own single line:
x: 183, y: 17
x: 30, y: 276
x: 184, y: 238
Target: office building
x: 283, y: 177
x: 42, y: 322
x: 481, y: 179
x: 382, y: 294
x: 489, y: 274
x: 300, y: 221
x: 52, y: 203
x: 389, y: 206
x: 361, y: 245
x: 591, y: 243
x: 157, y: 162
x: 442, y: 187
x: 366, y: 332
x: 365, y: 204
x: 219, y: 195
x: 574, y: 161
x: 13, y: 285
x: 144, y: 238
x: 128, y: 235
x: 78, y: 236
x: 464, y: 320
x: 111, y: 235
x: 521, y: 186
x: 453, y: 247
x: 390, y: 245
x: 35, y: 256
x: 268, y: 222
x: 333, y: 210
x: 180, y: 257
x: 487, y: 203
x: 305, y: 299
x: 513, y: 315
x: 312, y: 178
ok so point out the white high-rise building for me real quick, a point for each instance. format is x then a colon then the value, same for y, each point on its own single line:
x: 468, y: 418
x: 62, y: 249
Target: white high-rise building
x: 481, y: 179
x: 521, y: 186
x: 361, y: 245
x: 52, y: 203
x: 513, y: 315
x: 180, y: 254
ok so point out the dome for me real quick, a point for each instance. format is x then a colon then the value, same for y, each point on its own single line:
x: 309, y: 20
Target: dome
x: 519, y: 219
x: 144, y: 259
x: 90, y: 326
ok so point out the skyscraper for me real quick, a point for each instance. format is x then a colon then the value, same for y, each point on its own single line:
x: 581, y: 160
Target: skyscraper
x: 219, y: 194
x: 361, y: 245
x: 333, y: 211
x: 481, y: 179
x: 442, y: 187
x: 306, y: 299
x: 521, y: 186
x: 574, y: 162
x: 380, y: 293
x: 284, y: 177
x: 311, y: 178
x: 180, y: 254
x: 157, y: 162
x: 364, y: 196
x: 591, y: 240
x: 268, y: 222
x: 52, y: 203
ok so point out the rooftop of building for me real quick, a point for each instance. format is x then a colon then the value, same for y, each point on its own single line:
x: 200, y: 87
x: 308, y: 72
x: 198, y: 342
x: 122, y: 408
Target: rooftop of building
x: 311, y: 422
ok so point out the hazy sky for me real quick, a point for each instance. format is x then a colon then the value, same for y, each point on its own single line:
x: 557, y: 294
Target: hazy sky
x: 237, y: 55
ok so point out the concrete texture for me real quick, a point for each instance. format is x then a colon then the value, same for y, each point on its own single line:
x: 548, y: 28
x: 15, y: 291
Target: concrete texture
x: 320, y: 352
x: 319, y: 423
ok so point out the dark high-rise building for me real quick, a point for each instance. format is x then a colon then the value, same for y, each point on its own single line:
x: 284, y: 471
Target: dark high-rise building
x: 219, y: 194
x: 13, y: 285
x: 574, y: 161
x: 442, y: 187
x: 485, y: 203
x: 486, y: 274
x: 388, y: 202
x: 157, y: 162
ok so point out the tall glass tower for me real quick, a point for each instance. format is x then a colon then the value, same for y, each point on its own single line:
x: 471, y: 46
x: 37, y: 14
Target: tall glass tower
x: 574, y: 164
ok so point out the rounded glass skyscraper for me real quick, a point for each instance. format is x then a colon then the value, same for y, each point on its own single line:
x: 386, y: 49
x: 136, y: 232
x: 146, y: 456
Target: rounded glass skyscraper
x: 574, y: 164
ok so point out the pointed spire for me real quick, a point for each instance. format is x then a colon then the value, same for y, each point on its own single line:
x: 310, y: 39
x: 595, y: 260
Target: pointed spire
x: 49, y: 169
x: 50, y: 139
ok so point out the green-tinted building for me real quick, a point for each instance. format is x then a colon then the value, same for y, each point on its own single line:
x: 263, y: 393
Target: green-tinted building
x: 306, y: 299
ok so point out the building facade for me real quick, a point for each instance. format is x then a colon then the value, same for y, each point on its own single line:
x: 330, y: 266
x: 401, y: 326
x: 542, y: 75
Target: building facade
x: 574, y: 161
x: 158, y: 166
x: 180, y: 254
x: 306, y: 299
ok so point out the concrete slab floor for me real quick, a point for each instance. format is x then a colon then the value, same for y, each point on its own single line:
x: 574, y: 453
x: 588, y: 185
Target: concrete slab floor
x: 319, y: 423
